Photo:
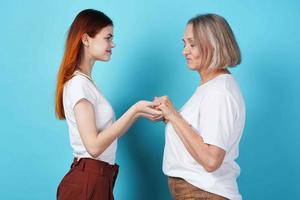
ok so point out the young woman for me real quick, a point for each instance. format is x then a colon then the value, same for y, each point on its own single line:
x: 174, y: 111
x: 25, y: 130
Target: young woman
x: 202, y: 140
x: 91, y: 120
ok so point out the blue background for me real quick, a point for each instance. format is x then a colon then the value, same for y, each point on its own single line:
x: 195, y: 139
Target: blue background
x: 147, y: 62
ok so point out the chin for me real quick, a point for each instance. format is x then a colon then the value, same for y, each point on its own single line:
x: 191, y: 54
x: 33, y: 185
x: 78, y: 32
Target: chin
x: 104, y: 59
x: 193, y: 68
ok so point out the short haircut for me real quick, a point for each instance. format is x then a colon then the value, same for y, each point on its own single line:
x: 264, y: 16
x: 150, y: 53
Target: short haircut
x: 216, y: 42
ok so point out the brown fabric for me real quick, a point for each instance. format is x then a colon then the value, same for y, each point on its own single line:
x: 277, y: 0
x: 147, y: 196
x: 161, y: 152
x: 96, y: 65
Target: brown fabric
x: 182, y: 190
x: 88, y: 179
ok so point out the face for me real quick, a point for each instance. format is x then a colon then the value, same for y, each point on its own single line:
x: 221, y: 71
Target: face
x: 100, y: 46
x: 190, y: 50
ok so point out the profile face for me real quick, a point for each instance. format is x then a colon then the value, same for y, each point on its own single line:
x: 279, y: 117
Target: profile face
x: 100, y: 46
x: 190, y: 50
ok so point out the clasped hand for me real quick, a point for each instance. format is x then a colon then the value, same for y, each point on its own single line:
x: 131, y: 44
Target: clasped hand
x: 161, y: 108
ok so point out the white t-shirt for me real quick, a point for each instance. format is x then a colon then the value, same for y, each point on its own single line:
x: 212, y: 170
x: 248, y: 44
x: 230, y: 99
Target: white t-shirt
x: 82, y: 87
x: 217, y: 111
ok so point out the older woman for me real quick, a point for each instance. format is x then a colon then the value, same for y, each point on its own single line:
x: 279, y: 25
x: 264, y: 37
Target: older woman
x: 202, y: 140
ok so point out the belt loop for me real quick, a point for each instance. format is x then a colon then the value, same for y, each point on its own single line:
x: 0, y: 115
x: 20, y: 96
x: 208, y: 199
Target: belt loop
x: 74, y: 163
x: 83, y: 165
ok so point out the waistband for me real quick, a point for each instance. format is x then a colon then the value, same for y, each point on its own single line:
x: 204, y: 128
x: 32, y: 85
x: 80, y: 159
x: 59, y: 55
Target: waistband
x: 98, y: 167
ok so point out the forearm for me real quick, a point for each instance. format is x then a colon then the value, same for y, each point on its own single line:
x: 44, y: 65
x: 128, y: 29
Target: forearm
x: 194, y: 143
x: 117, y: 129
x: 94, y: 142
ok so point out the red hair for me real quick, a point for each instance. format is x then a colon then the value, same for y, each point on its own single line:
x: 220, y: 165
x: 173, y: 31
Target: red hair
x: 88, y: 21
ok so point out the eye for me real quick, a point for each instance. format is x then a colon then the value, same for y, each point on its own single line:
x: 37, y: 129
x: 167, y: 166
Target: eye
x: 109, y: 38
x: 192, y: 44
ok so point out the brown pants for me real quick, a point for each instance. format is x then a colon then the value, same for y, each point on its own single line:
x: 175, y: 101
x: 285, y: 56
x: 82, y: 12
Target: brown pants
x: 182, y: 190
x: 88, y: 179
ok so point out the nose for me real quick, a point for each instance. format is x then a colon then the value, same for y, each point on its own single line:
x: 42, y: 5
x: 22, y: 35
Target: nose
x: 185, y: 51
x: 113, y: 45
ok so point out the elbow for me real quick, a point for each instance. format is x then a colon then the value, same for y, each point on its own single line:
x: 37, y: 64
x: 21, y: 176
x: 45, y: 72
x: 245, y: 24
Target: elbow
x: 94, y: 155
x: 94, y: 152
x: 94, y: 149
x: 210, y: 169
x: 212, y: 165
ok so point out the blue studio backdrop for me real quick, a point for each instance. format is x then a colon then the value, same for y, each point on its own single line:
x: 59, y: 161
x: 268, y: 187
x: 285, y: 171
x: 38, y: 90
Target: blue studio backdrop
x: 147, y: 62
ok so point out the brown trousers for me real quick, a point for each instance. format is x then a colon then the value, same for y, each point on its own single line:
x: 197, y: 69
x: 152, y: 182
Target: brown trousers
x: 88, y: 179
x: 182, y: 190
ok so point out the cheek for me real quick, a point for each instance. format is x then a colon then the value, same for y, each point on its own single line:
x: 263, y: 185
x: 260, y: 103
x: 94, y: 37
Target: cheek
x: 97, y: 49
x: 196, y: 58
x: 195, y: 62
x: 196, y: 54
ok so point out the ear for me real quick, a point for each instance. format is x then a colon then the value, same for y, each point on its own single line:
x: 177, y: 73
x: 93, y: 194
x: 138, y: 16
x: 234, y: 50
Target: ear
x: 85, y: 39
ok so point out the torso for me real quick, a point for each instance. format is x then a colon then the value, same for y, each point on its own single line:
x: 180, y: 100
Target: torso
x: 177, y: 160
x: 81, y: 86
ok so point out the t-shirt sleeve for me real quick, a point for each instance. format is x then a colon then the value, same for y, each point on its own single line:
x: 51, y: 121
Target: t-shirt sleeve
x: 217, y: 118
x: 79, y: 89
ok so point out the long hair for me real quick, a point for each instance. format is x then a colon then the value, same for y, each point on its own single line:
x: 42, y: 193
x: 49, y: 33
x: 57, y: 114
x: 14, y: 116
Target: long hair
x: 88, y: 21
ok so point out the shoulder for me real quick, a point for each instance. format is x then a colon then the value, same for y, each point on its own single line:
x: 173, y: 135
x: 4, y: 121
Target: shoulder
x: 224, y: 86
x: 79, y: 87
x: 223, y: 93
x: 77, y: 82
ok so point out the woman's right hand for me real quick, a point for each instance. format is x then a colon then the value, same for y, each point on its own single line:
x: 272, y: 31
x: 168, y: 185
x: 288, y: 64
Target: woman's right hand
x: 148, y: 110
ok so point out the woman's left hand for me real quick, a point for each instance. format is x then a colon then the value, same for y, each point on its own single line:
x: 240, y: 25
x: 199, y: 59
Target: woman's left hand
x: 167, y: 108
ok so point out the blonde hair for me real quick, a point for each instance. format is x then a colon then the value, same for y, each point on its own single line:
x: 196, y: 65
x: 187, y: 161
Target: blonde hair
x: 216, y: 42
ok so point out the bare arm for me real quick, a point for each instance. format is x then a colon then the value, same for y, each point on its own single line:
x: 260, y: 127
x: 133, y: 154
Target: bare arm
x: 209, y: 156
x: 96, y: 143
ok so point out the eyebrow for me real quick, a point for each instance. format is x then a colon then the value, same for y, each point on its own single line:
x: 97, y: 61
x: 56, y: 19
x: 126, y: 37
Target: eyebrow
x: 110, y: 35
x: 188, y: 39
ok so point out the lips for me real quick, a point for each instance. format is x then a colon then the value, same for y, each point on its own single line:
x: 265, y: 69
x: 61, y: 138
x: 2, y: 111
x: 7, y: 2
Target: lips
x: 109, y: 51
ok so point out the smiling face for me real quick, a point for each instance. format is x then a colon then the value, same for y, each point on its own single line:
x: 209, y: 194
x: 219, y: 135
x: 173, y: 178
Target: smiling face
x: 100, y: 46
x: 191, y: 51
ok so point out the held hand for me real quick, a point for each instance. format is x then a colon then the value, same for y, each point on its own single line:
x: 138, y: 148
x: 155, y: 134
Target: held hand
x: 166, y: 106
x: 147, y: 109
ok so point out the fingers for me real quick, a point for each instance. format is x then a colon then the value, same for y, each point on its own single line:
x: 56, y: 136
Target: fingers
x: 156, y: 103
x: 151, y: 117
x: 162, y: 99
x: 153, y: 103
x: 168, y: 111
x: 163, y: 107
x: 152, y: 111
x: 160, y: 109
x: 159, y: 118
x: 147, y: 103
x: 165, y: 120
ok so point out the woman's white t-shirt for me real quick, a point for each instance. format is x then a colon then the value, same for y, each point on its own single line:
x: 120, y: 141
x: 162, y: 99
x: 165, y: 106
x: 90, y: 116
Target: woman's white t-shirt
x: 80, y: 86
x: 217, y: 111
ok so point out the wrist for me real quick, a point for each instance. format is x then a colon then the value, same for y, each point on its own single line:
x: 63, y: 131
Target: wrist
x: 175, y: 115
x: 134, y: 111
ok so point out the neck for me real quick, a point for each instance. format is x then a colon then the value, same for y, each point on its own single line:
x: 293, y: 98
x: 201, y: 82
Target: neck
x: 206, y: 75
x: 86, y: 65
